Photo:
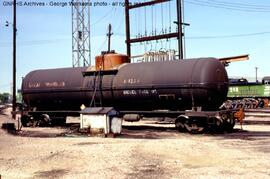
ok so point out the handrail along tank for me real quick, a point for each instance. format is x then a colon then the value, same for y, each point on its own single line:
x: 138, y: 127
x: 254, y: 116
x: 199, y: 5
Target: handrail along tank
x: 171, y: 85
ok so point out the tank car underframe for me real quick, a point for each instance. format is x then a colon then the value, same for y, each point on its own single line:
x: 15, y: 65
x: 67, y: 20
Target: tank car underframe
x: 46, y: 118
x: 185, y: 121
x: 195, y: 121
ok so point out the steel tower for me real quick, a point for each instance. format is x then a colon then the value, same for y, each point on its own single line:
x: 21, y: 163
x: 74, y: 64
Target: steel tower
x: 81, y: 46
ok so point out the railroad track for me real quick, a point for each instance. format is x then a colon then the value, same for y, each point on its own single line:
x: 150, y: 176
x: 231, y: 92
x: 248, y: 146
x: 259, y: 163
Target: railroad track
x: 3, y: 107
x: 264, y: 112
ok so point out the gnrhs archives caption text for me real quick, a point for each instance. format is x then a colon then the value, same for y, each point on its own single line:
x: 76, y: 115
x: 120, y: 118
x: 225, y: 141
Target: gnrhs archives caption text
x: 63, y: 4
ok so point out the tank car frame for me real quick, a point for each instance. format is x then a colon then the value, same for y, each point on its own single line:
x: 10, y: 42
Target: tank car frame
x: 193, y: 121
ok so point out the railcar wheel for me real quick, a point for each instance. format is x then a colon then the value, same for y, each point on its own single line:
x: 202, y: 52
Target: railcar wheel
x: 195, y: 125
x: 44, y: 120
x: 219, y: 126
x: 25, y: 121
x: 194, y: 128
x: 180, y: 124
x: 229, y: 124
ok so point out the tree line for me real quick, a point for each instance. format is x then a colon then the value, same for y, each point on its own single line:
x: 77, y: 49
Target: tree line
x: 5, y: 98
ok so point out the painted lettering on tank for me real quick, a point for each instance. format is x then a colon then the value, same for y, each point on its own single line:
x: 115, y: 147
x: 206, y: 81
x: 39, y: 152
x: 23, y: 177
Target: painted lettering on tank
x: 145, y: 92
x: 34, y: 85
x: 130, y: 92
x: 131, y: 81
x: 55, y: 84
x: 139, y: 92
x: 154, y: 91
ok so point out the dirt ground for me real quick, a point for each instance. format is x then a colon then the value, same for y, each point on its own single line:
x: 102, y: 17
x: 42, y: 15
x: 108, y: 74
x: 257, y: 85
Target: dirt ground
x: 143, y: 150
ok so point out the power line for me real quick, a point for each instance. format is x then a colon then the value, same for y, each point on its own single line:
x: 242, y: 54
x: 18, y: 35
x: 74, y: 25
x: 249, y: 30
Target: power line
x: 34, y: 42
x: 103, y: 17
x: 43, y: 42
x: 228, y: 36
x: 102, y: 45
x: 221, y: 36
x: 228, y: 7
x: 121, y: 21
x: 233, y: 5
x: 241, y: 4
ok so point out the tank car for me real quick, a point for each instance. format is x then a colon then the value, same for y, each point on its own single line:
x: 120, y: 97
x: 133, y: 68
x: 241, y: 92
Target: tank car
x: 131, y: 88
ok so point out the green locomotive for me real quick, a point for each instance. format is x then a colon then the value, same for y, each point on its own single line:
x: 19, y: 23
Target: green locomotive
x: 250, y: 95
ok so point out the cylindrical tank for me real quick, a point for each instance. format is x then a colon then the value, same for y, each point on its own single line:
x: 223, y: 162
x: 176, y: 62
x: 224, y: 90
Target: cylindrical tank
x: 172, y: 85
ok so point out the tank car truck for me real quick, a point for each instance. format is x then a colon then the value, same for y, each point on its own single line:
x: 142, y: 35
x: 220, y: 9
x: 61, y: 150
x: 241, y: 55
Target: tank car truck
x: 190, y: 91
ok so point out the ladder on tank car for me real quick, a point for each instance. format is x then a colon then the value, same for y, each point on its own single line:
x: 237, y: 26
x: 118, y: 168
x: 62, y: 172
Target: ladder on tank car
x: 97, y: 86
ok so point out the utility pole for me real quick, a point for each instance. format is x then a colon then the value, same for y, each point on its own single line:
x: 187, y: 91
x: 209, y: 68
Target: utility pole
x: 109, y: 37
x: 180, y: 28
x: 127, y: 18
x: 256, y: 74
x: 14, y: 61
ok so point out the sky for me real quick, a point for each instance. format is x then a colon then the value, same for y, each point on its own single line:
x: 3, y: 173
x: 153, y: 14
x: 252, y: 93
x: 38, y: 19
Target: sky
x: 218, y: 28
